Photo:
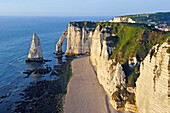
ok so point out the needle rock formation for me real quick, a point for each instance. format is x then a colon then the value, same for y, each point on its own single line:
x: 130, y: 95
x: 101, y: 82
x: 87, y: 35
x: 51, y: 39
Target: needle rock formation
x: 35, y: 53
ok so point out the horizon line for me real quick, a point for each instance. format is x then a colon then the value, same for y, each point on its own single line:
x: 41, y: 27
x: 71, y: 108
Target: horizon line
x: 83, y: 15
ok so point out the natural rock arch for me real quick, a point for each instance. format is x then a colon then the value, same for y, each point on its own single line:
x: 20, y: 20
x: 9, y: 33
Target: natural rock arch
x: 60, y: 42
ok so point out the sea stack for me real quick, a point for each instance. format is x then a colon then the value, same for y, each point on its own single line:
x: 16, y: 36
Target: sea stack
x: 35, y: 53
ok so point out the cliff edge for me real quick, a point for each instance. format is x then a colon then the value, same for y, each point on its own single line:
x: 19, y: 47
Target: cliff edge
x: 153, y: 84
x: 117, y: 51
x: 122, y: 19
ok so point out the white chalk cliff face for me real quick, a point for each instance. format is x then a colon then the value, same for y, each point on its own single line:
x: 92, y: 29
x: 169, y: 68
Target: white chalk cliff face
x: 78, y: 40
x: 122, y: 19
x: 153, y: 84
x: 60, y: 42
x: 109, y: 75
x: 85, y: 40
x: 35, y: 53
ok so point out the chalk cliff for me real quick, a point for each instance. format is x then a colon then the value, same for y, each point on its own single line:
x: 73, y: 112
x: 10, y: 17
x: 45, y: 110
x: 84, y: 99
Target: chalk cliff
x: 100, y: 41
x: 60, y: 42
x: 153, y: 84
x: 35, y: 53
x: 94, y: 42
x: 122, y: 19
x: 78, y: 40
x: 109, y: 75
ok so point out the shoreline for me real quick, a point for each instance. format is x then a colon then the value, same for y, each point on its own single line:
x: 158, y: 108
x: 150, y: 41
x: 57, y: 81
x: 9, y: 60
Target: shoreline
x: 46, y: 95
x: 84, y: 92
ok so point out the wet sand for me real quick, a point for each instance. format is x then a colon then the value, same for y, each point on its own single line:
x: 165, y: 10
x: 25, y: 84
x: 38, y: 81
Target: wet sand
x: 84, y: 93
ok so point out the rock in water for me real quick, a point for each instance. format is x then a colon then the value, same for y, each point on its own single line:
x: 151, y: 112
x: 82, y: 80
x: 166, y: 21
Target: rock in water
x: 60, y: 42
x: 35, y: 53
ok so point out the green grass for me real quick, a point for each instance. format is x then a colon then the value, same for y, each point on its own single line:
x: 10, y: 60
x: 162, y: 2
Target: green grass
x: 68, y: 73
x: 131, y: 98
x: 132, y: 79
x: 159, y: 18
x: 130, y: 40
x: 82, y: 24
x: 127, y: 42
x: 136, y: 41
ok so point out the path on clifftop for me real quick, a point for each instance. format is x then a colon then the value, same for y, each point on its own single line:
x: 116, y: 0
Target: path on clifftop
x: 84, y: 93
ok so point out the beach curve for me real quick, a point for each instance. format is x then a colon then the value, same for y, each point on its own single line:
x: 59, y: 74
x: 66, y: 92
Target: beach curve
x: 84, y: 92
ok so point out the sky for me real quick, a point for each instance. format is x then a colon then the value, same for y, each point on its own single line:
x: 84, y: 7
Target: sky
x: 81, y: 7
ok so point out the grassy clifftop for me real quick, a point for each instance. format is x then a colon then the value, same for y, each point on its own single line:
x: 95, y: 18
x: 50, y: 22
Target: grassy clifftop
x: 82, y: 24
x: 131, y: 40
x: 135, y: 40
x: 158, y: 18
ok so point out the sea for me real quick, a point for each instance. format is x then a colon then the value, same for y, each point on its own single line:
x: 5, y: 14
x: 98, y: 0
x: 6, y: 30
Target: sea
x: 15, y: 41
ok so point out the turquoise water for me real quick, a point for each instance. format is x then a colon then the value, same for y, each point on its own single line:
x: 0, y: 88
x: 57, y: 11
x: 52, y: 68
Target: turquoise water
x: 15, y: 38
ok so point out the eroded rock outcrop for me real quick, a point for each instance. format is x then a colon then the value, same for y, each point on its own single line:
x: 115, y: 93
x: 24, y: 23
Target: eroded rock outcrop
x: 35, y: 53
x: 153, y: 84
x: 60, y: 42
x: 78, y: 40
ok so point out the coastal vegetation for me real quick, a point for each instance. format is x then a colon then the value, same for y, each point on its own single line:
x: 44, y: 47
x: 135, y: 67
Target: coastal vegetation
x: 158, y: 18
x: 168, y: 50
x: 136, y: 41
x: 131, y: 98
x: 82, y: 24
x: 127, y: 46
x: 123, y: 96
x: 68, y: 72
x: 129, y: 40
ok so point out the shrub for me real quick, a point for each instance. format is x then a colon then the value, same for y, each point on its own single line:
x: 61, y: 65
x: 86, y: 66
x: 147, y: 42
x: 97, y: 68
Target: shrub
x: 137, y: 69
x: 132, y: 80
x: 124, y: 92
x: 151, y: 53
x: 131, y: 98
x: 113, y: 40
x: 168, y: 41
x: 116, y: 96
x: 128, y: 70
x: 168, y: 50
